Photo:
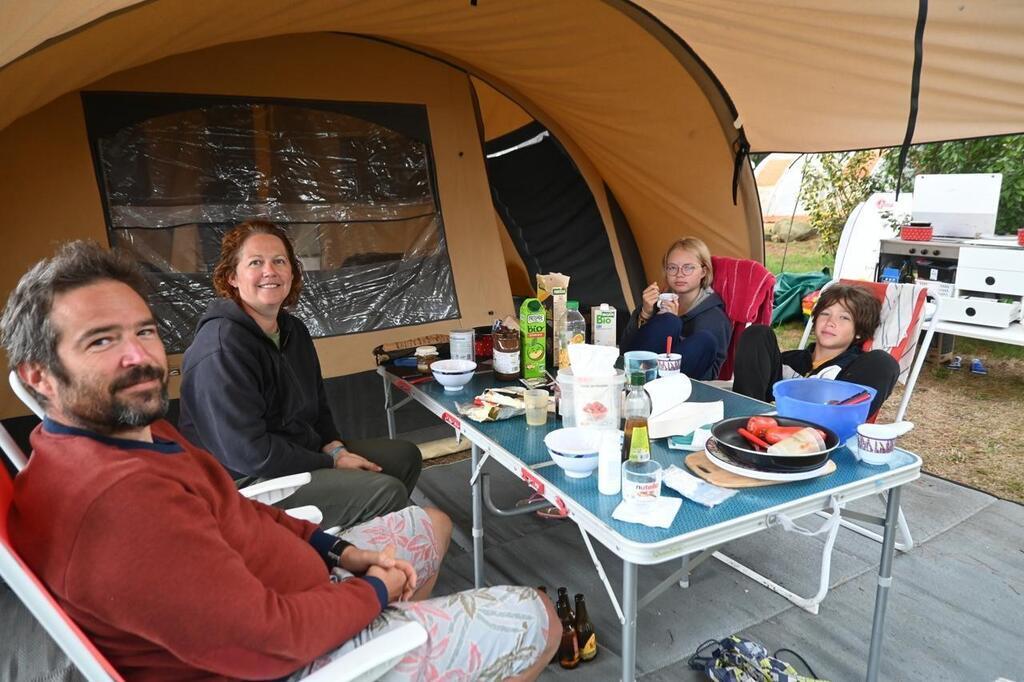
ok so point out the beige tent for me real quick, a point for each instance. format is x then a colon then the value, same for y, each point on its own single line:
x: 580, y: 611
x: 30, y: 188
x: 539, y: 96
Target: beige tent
x: 652, y: 101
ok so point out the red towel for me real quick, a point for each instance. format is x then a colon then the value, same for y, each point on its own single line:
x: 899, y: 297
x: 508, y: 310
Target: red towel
x: 748, y: 290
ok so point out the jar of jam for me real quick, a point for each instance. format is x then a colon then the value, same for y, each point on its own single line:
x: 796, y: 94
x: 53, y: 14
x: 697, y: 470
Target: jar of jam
x: 424, y: 356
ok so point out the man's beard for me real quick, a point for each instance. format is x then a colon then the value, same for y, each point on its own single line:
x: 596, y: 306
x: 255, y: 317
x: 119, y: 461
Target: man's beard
x: 102, y: 410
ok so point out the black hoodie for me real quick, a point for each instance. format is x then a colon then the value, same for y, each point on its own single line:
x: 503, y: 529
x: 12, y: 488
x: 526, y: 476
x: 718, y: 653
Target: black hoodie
x: 261, y: 411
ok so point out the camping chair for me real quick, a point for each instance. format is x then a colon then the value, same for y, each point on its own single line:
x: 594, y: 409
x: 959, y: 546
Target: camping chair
x: 904, y: 330
x: 267, y: 492
x: 747, y: 288
x: 897, y: 300
x: 367, y: 662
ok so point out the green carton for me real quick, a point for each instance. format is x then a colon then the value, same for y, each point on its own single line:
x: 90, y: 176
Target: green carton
x: 533, y: 327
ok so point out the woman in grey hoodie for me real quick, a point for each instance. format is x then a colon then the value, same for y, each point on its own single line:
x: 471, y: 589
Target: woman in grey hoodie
x: 253, y: 394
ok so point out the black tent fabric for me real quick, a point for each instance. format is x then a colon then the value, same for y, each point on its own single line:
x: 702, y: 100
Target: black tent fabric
x: 551, y: 215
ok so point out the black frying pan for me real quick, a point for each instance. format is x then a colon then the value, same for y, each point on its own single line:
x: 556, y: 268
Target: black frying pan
x: 739, y: 449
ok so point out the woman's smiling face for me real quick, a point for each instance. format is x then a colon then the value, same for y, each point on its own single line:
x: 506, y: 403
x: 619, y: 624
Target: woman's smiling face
x: 263, y: 275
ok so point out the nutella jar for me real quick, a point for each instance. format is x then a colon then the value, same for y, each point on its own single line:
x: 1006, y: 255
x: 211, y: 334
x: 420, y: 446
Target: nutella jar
x: 506, y: 354
x: 424, y: 356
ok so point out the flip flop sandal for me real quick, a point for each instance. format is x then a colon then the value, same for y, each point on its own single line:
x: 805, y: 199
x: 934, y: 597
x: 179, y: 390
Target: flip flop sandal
x: 551, y: 513
x: 977, y: 367
x: 956, y: 363
x: 527, y: 501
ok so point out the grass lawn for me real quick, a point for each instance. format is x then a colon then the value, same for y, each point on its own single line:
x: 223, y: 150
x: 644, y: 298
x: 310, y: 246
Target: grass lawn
x: 795, y: 257
x: 968, y: 427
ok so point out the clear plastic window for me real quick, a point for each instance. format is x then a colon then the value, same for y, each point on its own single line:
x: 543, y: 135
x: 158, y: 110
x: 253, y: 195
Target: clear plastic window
x: 352, y: 183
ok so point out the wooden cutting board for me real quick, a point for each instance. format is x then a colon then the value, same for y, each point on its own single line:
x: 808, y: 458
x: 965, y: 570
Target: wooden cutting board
x: 700, y: 465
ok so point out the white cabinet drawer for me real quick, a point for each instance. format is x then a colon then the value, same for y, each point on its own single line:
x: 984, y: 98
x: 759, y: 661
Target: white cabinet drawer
x: 1011, y: 258
x: 984, y: 311
x: 990, y: 281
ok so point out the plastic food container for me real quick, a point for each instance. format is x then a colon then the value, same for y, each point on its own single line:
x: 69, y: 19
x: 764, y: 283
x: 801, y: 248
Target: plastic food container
x: 462, y: 344
x: 597, y: 401
x: 807, y: 399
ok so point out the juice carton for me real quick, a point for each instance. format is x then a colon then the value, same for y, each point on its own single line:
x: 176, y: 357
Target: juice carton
x: 602, y: 325
x: 552, y: 291
x: 532, y: 326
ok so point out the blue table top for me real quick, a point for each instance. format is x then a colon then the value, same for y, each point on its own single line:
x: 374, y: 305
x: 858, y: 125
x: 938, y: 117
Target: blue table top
x: 527, y: 444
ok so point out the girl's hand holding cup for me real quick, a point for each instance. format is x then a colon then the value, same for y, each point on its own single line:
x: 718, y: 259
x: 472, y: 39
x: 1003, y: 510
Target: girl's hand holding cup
x: 650, y: 299
x: 668, y: 302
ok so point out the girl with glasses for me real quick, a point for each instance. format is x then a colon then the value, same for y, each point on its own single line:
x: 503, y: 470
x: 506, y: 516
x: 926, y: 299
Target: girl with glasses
x: 684, y: 308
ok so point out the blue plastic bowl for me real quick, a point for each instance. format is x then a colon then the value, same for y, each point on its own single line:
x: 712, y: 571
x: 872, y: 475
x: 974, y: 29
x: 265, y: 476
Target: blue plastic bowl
x: 807, y: 399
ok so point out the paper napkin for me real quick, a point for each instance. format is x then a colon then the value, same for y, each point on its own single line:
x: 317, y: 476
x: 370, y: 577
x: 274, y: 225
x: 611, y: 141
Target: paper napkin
x: 657, y: 514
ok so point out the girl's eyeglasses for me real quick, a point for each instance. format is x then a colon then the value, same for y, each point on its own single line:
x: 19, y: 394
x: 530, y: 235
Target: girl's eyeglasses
x: 687, y: 269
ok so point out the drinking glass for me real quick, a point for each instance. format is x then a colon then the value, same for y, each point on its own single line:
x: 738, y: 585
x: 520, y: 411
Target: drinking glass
x: 641, y: 483
x: 536, y: 407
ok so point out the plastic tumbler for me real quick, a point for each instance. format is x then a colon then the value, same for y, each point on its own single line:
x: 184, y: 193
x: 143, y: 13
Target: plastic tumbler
x: 536, y: 407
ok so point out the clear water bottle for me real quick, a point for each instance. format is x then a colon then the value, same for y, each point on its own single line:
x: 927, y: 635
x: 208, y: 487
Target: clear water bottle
x: 575, y: 331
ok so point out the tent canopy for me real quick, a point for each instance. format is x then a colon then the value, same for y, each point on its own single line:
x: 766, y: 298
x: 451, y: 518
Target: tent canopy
x: 803, y: 75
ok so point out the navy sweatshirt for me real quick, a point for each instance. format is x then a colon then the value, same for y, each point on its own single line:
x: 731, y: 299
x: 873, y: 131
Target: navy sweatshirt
x: 261, y: 411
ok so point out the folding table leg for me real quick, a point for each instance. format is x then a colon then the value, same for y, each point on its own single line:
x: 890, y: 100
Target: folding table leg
x: 892, y: 509
x: 389, y: 411
x: 478, y: 522
x: 629, y: 621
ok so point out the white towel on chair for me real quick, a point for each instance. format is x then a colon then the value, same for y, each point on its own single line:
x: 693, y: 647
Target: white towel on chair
x: 897, y: 313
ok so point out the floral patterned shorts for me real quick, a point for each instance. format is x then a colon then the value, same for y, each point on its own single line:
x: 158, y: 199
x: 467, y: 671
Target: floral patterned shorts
x: 486, y: 634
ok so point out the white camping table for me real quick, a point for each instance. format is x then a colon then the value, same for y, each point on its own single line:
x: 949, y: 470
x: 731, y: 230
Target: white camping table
x: 696, y: 532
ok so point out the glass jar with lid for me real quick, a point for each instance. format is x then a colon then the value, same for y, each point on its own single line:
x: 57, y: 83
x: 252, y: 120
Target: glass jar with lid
x: 425, y: 355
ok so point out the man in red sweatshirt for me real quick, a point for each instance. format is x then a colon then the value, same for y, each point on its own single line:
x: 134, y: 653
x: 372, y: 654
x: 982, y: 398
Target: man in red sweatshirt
x: 143, y: 539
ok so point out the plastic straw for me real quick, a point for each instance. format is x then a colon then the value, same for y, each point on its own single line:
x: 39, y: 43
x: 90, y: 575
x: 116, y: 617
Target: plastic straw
x: 668, y: 345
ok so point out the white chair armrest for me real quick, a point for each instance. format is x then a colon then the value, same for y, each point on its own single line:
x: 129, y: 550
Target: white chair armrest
x: 11, y: 449
x: 276, y: 489
x: 306, y: 513
x: 23, y: 394
x: 374, y: 658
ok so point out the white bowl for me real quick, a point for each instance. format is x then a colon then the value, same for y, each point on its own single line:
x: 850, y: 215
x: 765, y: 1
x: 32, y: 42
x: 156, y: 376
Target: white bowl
x: 574, y: 449
x: 573, y: 441
x: 575, y: 467
x: 453, y: 374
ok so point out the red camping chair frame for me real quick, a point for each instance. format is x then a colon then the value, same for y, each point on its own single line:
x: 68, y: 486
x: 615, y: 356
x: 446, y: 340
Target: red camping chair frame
x: 86, y: 657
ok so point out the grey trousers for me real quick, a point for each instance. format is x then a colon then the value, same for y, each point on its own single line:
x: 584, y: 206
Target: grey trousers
x: 351, y: 496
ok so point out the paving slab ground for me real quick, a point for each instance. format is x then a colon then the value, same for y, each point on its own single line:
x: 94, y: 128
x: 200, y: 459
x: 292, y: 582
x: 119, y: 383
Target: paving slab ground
x: 956, y: 611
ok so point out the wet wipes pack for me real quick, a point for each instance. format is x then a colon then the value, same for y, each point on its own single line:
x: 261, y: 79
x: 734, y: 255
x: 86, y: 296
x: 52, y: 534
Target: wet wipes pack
x: 692, y: 488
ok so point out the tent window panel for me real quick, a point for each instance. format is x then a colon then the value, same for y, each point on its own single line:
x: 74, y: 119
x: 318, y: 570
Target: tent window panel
x: 352, y: 183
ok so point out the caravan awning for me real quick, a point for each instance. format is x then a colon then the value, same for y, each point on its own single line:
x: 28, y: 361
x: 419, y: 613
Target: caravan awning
x: 803, y: 75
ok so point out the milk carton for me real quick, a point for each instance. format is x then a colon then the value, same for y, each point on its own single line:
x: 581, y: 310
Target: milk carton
x: 602, y: 325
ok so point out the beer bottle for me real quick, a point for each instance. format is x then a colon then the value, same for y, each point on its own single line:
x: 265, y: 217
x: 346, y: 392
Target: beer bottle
x: 569, y: 649
x: 585, y: 634
x: 563, y: 606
